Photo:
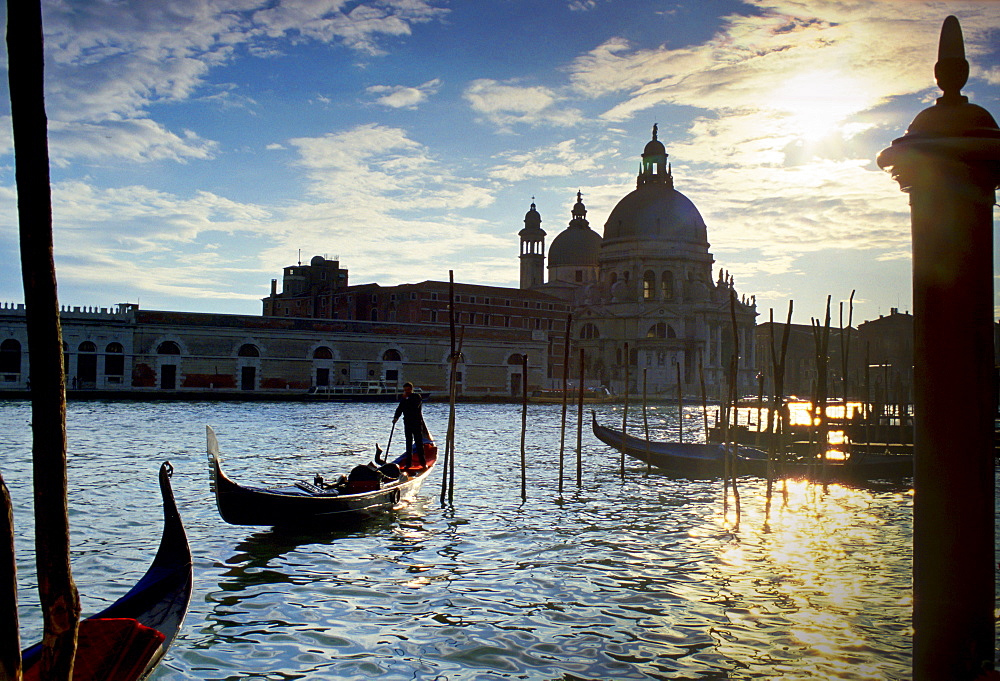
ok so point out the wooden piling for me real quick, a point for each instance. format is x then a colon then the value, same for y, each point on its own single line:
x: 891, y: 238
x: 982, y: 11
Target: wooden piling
x: 524, y: 425
x: 565, y: 399
x: 680, y: 404
x: 10, y: 640
x: 579, y: 427
x: 625, y: 413
x: 645, y: 422
x: 57, y: 591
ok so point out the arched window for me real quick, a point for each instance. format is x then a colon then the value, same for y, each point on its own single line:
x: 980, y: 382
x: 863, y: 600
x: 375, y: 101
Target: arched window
x: 114, y: 360
x: 87, y: 346
x: 667, y: 285
x: 612, y: 278
x: 648, y: 285
x: 391, y: 356
x: 517, y: 360
x: 322, y: 352
x: 589, y: 331
x: 658, y: 330
x: 168, y: 348
x: 249, y: 350
x: 374, y: 315
x: 10, y: 357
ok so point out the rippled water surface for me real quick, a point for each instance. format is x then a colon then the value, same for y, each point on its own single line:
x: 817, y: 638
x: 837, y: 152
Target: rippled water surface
x: 634, y: 579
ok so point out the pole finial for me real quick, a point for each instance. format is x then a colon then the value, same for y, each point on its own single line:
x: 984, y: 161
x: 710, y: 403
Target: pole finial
x: 951, y: 70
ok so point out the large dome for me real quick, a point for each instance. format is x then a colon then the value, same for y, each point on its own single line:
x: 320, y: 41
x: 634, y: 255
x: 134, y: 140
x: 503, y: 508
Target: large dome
x: 656, y: 211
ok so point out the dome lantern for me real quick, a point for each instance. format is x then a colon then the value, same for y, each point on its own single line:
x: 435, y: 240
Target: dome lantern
x: 654, y: 168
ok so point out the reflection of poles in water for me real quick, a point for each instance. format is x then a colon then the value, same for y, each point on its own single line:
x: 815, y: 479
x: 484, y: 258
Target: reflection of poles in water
x: 565, y: 398
x: 57, y: 592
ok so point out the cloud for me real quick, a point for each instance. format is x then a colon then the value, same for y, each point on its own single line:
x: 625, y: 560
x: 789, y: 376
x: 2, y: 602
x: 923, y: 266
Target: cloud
x: 815, y: 64
x: 108, y: 64
x: 507, y: 104
x: 563, y: 159
x: 403, y: 97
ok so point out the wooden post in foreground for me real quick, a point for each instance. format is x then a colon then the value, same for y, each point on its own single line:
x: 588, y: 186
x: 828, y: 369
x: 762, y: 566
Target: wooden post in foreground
x: 56, y: 589
x: 949, y: 163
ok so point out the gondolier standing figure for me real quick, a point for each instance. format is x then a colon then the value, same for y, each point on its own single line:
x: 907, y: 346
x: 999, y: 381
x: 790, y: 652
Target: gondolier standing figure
x: 413, y: 422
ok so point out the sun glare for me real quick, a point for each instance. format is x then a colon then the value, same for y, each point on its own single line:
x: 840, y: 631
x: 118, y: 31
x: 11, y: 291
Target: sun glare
x: 819, y: 104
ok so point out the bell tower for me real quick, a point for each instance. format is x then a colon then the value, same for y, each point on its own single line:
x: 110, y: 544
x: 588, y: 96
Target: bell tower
x: 532, y: 249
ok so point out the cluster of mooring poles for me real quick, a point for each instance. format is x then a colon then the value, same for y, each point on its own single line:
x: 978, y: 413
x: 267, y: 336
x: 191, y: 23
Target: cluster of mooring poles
x: 562, y: 428
x: 949, y: 163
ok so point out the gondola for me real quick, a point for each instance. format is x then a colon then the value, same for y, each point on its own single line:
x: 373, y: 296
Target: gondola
x: 368, y: 490
x: 683, y: 459
x: 126, y: 640
x: 696, y: 460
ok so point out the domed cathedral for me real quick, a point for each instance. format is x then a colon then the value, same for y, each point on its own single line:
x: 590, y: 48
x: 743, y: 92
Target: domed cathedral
x: 649, y: 283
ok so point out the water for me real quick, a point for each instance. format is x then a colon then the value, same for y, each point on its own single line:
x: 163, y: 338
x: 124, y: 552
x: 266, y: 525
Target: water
x: 640, y: 579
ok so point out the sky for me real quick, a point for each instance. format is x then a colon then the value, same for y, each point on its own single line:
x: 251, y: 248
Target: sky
x: 197, y: 147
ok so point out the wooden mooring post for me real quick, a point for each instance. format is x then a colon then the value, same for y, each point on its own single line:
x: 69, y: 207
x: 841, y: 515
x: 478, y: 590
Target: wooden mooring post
x: 949, y: 163
x: 57, y: 591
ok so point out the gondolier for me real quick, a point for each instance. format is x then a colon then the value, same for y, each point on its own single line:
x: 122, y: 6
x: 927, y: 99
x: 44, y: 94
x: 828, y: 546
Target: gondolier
x: 413, y: 422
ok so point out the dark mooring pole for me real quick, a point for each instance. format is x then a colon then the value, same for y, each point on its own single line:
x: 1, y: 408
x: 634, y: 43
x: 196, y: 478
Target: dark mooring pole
x: 56, y: 589
x: 949, y: 163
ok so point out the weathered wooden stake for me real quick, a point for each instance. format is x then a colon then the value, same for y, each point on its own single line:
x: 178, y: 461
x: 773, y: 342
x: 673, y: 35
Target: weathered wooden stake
x: 624, y: 414
x: 446, y: 491
x: 57, y: 592
x: 949, y: 163
x: 579, y: 428
x: 524, y: 425
x: 10, y: 639
x: 680, y: 405
x: 645, y: 422
x: 565, y: 399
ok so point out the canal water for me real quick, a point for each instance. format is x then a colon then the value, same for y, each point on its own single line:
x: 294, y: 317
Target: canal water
x: 639, y: 578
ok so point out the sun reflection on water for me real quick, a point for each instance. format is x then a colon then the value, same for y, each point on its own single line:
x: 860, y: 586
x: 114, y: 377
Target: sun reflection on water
x: 817, y: 554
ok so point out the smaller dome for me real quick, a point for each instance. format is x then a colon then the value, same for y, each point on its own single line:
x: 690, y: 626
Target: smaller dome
x: 317, y: 260
x: 532, y: 215
x: 575, y: 247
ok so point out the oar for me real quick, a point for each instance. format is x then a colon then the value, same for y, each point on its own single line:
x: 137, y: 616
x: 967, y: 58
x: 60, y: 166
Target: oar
x: 387, y: 445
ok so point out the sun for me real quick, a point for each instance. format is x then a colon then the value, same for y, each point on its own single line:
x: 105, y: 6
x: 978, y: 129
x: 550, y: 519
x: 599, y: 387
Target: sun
x: 817, y: 104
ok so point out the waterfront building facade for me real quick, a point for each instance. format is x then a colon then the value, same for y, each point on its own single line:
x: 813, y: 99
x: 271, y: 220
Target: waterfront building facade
x: 155, y: 353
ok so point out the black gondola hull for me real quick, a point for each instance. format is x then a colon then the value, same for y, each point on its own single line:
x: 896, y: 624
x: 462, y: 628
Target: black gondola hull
x: 704, y: 461
x: 242, y: 505
x: 160, y: 599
